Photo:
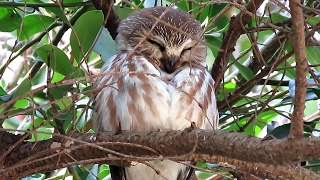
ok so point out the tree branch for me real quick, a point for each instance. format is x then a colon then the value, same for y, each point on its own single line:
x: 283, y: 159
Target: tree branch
x: 298, y: 42
x: 241, y: 151
x: 230, y: 100
x: 230, y: 40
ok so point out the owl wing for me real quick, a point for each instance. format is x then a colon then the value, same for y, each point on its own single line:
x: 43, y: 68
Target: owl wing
x: 131, y: 96
x: 195, y: 99
x: 196, y: 102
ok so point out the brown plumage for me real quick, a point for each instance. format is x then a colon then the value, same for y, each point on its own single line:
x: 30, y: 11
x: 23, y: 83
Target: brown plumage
x: 157, y: 81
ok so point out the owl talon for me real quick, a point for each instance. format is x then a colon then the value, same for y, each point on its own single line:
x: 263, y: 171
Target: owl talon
x: 193, y: 125
x: 118, y: 130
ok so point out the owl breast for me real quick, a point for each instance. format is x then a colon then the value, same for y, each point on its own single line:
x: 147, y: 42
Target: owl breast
x: 138, y: 97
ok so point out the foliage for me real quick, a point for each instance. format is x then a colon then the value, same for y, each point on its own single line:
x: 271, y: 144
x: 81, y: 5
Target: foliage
x: 50, y: 52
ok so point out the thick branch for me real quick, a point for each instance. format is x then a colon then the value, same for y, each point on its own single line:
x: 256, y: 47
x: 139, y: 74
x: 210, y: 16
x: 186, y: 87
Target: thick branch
x: 298, y: 42
x: 26, y: 158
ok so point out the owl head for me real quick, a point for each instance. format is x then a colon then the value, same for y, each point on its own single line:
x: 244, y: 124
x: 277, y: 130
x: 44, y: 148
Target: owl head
x: 168, y: 38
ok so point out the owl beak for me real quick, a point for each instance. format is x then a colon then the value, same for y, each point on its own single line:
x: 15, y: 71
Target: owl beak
x: 169, y: 64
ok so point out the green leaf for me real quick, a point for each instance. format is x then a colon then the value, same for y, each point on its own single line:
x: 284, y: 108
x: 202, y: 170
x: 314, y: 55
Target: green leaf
x: 55, y: 59
x: 104, y: 171
x: 105, y: 40
x: 213, y: 44
x: 311, y: 92
x: 39, y: 122
x: 313, y: 54
x: 284, y: 130
x: 209, y: 59
x: 64, y: 103
x: 83, y: 173
x: 85, y: 31
x: 35, y: 177
x: 21, y: 103
x: 2, y: 91
x: 255, y: 127
x: 315, y: 162
x: 229, y: 87
x: 27, y: 111
x: 204, y: 175
x: 78, y: 73
x: 61, y: 116
x: 244, y: 71
x: 93, y: 172
x: 183, y: 5
x: 275, y: 17
x: 24, y: 87
x: 43, y: 133
x: 57, y: 11
x: 316, y: 91
x: 5, y: 98
x: 289, y: 71
x: 87, y: 91
x: 281, y: 131
x: 123, y: 12
x: 34, y: 23
x: 311, y: 108
x: 67, y: 125
x: 59, y: 91
x: 71, y: 1
x: 10, y: 20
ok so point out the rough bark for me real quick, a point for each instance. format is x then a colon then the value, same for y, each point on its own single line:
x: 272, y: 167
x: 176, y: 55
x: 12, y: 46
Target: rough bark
x: 260, y: 157
x: 298, y: 43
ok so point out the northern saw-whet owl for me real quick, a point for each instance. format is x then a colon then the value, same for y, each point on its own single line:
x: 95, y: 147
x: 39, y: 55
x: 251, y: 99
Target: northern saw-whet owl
x: 157, y: 81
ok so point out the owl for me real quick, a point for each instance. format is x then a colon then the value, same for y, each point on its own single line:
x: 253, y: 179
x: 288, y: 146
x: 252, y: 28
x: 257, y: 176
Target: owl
x: 157, y: 81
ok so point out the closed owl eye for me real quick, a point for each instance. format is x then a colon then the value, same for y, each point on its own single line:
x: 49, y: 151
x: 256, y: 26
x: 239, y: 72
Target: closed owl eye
x: 162, y: 48
x: 186, y: 49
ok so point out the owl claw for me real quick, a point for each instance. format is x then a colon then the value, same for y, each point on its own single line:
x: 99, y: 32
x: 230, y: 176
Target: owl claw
x: 191, y: 128
x: 119, y: 130
x: 193, y: 125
